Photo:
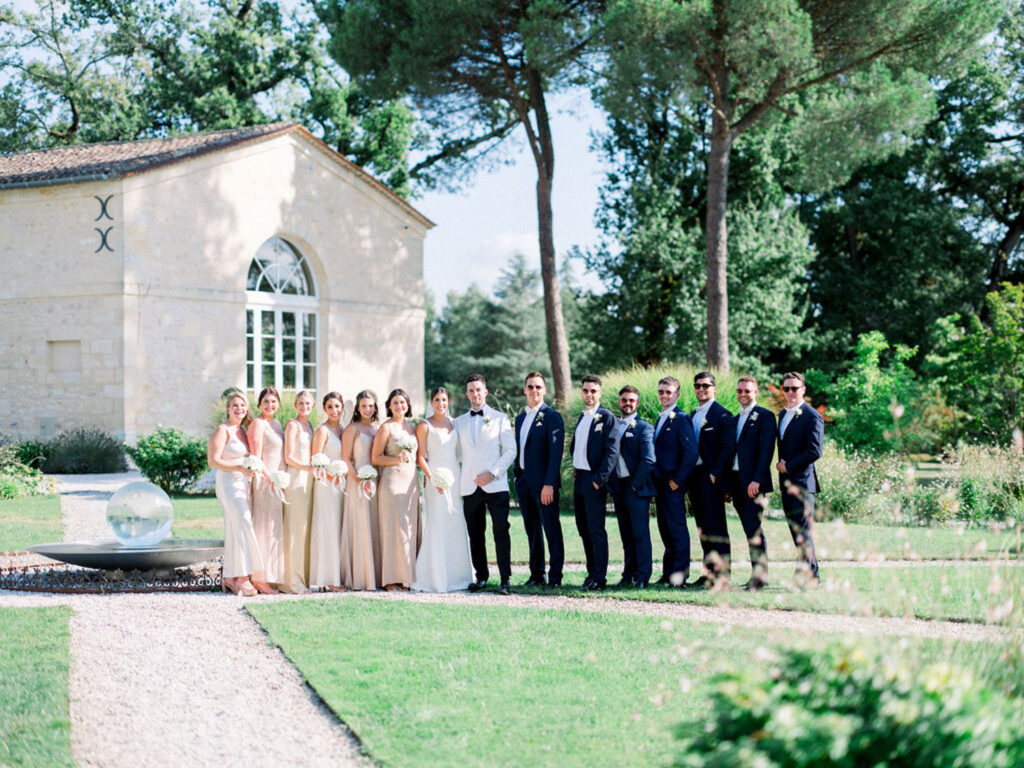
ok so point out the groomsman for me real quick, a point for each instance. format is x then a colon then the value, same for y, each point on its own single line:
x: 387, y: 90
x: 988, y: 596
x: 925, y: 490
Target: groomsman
x: 715, y: 430
x: 594, y: 457
x: 540, y: 439
x: 801, y: 434
x: 675, y: 455
x: 750, y: 480
x: 632, y: 489
x: 487, y: 449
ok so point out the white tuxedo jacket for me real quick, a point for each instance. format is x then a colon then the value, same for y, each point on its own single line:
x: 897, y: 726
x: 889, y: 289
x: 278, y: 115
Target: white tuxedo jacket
x: 493, y: 451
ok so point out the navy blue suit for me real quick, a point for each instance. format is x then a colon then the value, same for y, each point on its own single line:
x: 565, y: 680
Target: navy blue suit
x: 542, y: 461
x: 800, y: 447
x: 632, y: 498
x: 589, y: 502
x: 755, y: 446
x: 716, y: 446
x: 675, y: 455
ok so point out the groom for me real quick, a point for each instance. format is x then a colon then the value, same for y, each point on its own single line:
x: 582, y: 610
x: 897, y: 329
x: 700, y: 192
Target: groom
x: 487, y: 448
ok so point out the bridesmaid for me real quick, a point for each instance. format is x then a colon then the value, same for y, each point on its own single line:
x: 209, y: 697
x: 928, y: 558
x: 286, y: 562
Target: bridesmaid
x: 398, y: 505
x: 298, y: 436
x: 325, y: 535
x: 358, y: 568
x: 266, y: 440
x: 224, y: 453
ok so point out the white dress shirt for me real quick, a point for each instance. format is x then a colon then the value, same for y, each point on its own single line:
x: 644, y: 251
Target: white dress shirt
x: 700, y: 415
x: 623, y: 428
x: 663, y: 418
x: 741, y: 419
x: 524, y: 431
x: 579, y: 455
x: 787, y: 416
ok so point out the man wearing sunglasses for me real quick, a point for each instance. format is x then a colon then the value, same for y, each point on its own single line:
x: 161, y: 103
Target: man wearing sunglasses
x: 750, y: 480
x: 801, y: 434
x: 715, y: 431
x: 675, y: 455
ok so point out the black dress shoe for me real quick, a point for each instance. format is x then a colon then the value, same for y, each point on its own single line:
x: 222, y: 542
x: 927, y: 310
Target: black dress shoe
x: 664, y: 580
x: 555, y: 584
x: 587, y: 582
x: 535, y: 582
x: 503, y: 589
x: 641, y: 584
x: 625, y: 583
x: 596, y: 586
x: 476, y: 586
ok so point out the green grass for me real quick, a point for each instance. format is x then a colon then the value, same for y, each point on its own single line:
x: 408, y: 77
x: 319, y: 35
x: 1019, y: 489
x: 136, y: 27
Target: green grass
x: 197, y: 517
x: 964, y: 593
x: 30, y: 520
x: 455, y: 685
x: 35, y: 728
x: 200, y: 516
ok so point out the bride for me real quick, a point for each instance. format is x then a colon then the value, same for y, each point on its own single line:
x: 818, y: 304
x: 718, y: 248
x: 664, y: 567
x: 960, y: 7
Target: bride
x: 443, y: 563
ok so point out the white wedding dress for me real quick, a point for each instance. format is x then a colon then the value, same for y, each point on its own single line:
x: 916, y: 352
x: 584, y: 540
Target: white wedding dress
x: 443, y: 563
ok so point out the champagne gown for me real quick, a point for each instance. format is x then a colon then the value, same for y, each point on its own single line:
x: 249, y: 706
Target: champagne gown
x: 357, y: 563
x: 325, y: 533
x: 268, y: 510
x: 298, y: 510
x: 443, y: 564
x: 241, y: 553
x: 398, y: 509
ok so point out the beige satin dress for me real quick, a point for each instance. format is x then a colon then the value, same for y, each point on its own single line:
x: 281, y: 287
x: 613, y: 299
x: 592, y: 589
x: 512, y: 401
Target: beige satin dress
x: 298, y: 512
x: 241, y: 552
x: 268, y: 509
x: 357, y: 560
x: 325, y: 531
x: 399, y: 512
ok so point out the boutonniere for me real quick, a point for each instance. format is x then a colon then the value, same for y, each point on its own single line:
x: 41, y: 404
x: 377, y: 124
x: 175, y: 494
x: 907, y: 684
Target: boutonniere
x: 599, y: 427
x: 671, y: 415
x: 754, y: 415
x: 540, y: 418
x: 487, y: 419
x: 632, y: 424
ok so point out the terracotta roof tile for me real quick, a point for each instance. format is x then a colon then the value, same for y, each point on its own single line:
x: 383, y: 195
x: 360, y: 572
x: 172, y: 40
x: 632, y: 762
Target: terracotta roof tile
x: 121, y: 158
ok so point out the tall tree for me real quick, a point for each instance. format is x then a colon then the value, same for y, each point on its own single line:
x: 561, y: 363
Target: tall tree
x: 102, y: 70
x: 850, y: 75
x: 475, y: 70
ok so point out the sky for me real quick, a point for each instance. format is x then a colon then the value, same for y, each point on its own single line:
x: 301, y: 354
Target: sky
x: 480, y: 228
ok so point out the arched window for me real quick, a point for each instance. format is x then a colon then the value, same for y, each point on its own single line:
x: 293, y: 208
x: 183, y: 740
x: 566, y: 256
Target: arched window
x: 280, y: 319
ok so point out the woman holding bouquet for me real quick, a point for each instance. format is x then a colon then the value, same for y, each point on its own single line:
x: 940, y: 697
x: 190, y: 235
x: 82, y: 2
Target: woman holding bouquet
x: 443, y: 564
x: 394, y: 452
x: 325, y: 535
x: 227, y: 448
x: 298, y: 438
x: 266, y: 441
x: 357, y: 553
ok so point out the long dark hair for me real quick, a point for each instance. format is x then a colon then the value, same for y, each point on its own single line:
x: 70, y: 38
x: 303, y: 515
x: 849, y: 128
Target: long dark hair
x: 396, y: 393
x: 366, y: 395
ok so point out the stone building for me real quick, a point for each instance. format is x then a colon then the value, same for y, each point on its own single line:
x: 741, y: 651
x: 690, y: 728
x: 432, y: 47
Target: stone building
x: 141, y: 279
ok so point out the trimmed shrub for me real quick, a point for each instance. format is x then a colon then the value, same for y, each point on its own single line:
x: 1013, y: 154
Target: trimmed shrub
x: 32, y: 453
x: 84, y: 451
x: 845, y: 705
x: 170, y: 458
x: 18, y: 479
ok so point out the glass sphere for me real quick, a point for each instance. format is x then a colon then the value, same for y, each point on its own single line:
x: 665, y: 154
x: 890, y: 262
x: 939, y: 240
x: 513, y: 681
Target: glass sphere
x: 140, y: 514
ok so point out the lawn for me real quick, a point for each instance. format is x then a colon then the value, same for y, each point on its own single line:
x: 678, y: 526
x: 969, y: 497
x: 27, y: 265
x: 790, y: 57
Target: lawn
x: 446, y: 685
x: 35, y: 728
x: 30, y: 520
x: 200, y: 516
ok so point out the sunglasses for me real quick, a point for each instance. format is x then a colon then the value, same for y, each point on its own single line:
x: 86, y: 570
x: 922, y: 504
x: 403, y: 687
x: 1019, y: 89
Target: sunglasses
x: 591, y: 391
x: 703, y: 385
x: 744, y: 391
x: 791, y: 389
x: 666, y: 391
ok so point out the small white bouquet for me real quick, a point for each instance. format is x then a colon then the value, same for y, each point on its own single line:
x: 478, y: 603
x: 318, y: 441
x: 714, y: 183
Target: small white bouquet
x: 407, y: 442
x: 320, y: 462
x: 338, y: 469
x: 280, y: 480
x: 367, y: 481
x: 252, y: 463
x: 442, y: 479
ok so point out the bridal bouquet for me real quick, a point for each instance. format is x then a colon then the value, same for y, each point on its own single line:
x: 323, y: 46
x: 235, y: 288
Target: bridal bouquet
x: 367, y: 481
x: 253, y: 464
x: 280, y: 480
x: 339, y: 469
x: 443, y: 479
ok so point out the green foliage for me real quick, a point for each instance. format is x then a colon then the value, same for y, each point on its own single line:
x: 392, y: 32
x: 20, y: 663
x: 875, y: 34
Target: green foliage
x: 170, y: 458
x: 847, y: 705
x: 991, y: 484
x: 859, y: 486
x: 868, y: 401
x: 32, y: 453
x: 85, y: 451
x: 18, y: 478
x: 980, y: 366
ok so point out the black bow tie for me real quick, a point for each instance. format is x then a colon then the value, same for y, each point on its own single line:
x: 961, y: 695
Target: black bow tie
x: 476, y: 413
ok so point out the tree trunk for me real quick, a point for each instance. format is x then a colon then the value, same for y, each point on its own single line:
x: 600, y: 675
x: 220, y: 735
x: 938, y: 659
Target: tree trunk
x: 1007, y: 244
x: 558, y: 344
x: 716, y: 249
